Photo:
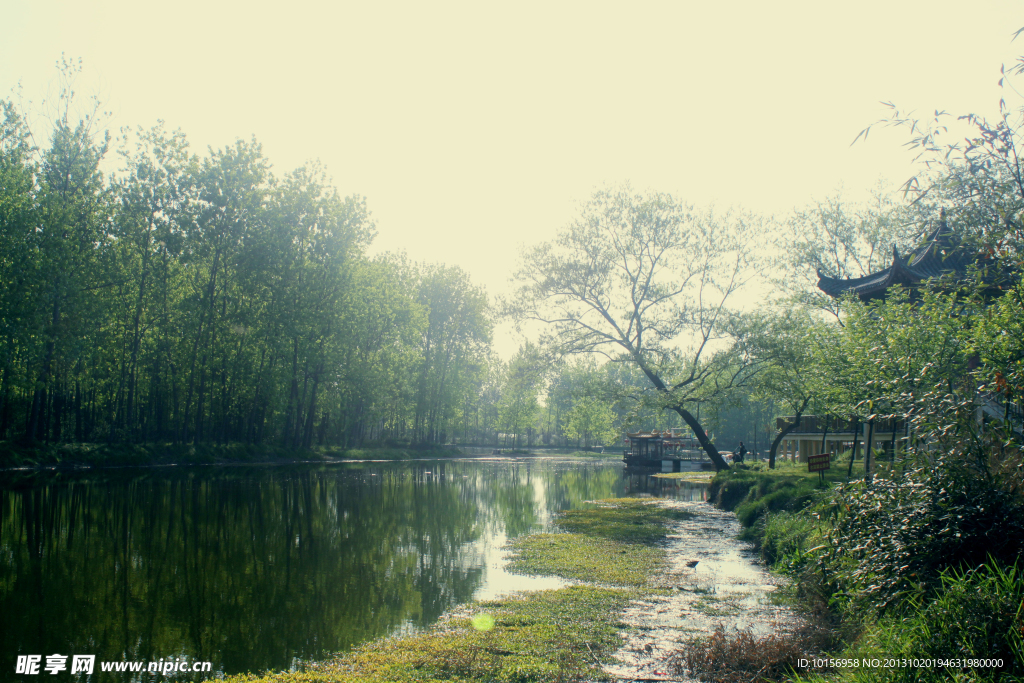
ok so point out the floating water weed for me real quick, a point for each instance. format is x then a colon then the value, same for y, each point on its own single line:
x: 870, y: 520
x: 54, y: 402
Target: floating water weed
x: 627, y: 520
x: 585, y: 558
x: 616, y: 543
x: 559, y: 635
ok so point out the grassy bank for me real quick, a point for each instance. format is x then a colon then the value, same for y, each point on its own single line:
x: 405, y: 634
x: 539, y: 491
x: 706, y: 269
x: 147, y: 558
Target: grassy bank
x: 919, y: 565
x: 141, y: 455
x: 16, y: 455
x: 752, y: 491
x: 609, y: 454
x: 555, y: 635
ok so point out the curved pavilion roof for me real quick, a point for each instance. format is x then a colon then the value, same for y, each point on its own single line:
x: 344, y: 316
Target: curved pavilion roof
x: 941, y: 254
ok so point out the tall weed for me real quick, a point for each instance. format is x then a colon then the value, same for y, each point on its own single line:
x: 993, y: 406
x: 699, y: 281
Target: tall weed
x: 785, y: 538
x: 740, y: 657
x: 977, y: 614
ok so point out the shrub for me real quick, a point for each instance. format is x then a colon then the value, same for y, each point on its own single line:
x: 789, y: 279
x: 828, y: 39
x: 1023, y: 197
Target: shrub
x: 892, y: 539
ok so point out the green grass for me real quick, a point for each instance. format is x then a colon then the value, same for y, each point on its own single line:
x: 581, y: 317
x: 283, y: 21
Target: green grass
x: 785, y: 537
x: 977, y: 615
x: 558, y: 635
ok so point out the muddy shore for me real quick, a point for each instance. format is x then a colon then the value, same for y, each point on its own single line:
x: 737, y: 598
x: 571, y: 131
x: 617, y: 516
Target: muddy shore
x: 728, y: 587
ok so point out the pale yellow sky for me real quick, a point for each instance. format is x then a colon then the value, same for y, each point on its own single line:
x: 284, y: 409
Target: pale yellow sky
x: 474, y: 128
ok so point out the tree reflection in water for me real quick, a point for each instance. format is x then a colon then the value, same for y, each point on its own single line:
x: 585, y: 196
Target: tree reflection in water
x: 257, y: 568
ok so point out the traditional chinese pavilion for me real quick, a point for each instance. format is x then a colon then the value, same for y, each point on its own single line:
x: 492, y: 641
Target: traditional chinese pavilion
x: 942, y: 254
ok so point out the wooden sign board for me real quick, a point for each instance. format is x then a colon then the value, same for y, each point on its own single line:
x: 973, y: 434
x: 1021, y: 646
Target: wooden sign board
x: 817, y: 463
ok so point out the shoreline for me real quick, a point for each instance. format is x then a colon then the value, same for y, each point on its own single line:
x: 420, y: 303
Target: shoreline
x: 84, y: 457
x: 635, y: 605
x: 615, y: 553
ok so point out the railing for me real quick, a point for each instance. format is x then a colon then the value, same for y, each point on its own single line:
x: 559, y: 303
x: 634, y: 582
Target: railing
x: 997, y: 407
x: 690, y: 454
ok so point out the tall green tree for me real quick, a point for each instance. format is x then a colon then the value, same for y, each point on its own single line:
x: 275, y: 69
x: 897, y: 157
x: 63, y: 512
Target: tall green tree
x: 18, y: 265
x: 73, y: 207
x: 155, y: 197
x: 382, y: 324
x: 788, y: 345
x: 453, y: 346
x: 592, y: 421
x: 518, y: 406
x: 649, y: 280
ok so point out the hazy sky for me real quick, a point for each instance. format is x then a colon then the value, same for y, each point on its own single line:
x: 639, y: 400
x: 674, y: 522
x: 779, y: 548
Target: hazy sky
x: 475, y: 127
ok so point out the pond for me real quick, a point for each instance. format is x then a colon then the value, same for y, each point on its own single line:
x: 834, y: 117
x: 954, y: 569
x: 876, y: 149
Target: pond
x: 264, y: 568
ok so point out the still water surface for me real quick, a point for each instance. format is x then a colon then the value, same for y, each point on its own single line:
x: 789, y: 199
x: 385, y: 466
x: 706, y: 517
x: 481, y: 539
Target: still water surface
x: 257, y: 568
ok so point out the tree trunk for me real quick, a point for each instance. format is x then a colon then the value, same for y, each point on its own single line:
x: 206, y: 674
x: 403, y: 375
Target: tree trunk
x: 293, y: 396
x: 853, y: 451
x: 133, y: 363
x: 782, y: 434
x: 78, y: 413
x: 892, y: 444
x: 5, y: 400
x: 867, y: 450
x: 702, y: 437
x: 198, y: 434
x: 35, y: 423
x: 692, y: 422
x: 307, y: 435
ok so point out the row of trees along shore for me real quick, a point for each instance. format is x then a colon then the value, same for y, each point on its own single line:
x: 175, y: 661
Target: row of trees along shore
x: 204, y: 299
x: 654, y: 284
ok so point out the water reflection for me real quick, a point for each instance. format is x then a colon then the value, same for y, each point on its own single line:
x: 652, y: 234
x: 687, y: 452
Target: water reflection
x: 640, y: 482
x: 261, y: 568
